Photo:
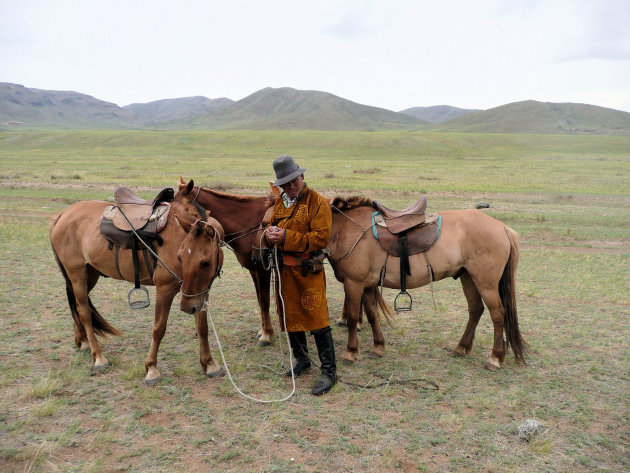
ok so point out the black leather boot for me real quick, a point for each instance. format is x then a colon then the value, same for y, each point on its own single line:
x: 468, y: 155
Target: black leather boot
x: 300, y: 353
x: 326, y: 352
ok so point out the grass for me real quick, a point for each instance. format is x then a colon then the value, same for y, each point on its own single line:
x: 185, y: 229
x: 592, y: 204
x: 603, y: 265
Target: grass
x: 567, y: 197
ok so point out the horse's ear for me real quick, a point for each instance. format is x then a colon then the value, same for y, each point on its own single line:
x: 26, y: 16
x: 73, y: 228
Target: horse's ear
x: 200, y: 227
x: 189, y: 186
x: 184, y: 188
x: 210, y: 231
x: 182, y: 223
x: 275, y: 190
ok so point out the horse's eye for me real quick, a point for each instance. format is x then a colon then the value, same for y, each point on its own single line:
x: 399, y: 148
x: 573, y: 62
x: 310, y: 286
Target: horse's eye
x: 205, y: 264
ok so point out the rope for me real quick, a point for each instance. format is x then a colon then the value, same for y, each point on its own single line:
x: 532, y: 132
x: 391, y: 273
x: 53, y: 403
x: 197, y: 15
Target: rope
x: 227, y: 369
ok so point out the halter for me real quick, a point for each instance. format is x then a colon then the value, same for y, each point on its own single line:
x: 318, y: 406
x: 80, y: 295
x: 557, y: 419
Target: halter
x: 239, y: 233
x: 361, y: 236
x: 217, y: 273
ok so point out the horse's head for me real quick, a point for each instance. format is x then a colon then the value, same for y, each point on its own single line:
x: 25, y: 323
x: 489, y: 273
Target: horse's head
x: 201, y: 259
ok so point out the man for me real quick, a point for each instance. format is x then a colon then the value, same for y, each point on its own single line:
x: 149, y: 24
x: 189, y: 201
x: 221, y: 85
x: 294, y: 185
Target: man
x: 300, y: 226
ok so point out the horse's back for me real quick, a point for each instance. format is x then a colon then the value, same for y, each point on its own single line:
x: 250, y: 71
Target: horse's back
x: 479, y: 240
x: 76, y: 229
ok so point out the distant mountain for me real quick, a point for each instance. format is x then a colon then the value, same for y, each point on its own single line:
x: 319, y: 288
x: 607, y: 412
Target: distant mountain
x: 542, y: 117
x: 170, y: 110
x: 287, y: 108
x: 20, y: 105
x: 437, y: 113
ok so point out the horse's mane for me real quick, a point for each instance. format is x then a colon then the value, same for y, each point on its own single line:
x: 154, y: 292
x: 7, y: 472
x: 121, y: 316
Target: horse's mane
x: 193, y: 208
x: 349, y: 203
x: 269, y: 198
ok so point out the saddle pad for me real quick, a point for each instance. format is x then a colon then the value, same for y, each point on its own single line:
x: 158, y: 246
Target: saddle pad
x: 136, y: 217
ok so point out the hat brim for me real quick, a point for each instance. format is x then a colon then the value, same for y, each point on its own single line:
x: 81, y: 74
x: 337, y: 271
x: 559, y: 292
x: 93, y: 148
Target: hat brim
x: 289, y: 178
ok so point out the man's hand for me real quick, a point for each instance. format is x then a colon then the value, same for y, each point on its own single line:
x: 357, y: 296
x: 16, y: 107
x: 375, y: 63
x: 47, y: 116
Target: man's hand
x: 275, y: 235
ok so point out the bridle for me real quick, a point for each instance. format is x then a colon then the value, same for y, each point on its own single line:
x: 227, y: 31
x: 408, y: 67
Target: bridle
x: 217, y: 272
x: 239, y: 233
x: 361, y: 236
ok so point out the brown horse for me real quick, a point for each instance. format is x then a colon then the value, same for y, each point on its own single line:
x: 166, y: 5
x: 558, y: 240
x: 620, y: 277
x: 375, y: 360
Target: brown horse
x: 479, y: 250
x: 191, y: 249
x: 240, y: 216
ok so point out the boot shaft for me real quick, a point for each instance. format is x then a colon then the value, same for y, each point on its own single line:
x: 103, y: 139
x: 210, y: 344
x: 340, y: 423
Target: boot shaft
x: 326, y: 351
x: 299, y: 346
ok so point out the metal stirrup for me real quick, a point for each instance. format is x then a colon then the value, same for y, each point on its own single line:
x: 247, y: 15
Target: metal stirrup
x: 141, y: 302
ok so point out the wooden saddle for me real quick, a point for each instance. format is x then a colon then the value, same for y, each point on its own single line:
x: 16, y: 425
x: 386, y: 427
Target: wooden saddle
x: 402, y: 233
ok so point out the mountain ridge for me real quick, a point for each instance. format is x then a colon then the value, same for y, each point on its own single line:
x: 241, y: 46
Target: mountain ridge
x: 288, y: 108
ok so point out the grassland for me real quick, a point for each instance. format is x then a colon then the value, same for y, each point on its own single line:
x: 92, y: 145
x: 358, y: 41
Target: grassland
x: 567, y: 196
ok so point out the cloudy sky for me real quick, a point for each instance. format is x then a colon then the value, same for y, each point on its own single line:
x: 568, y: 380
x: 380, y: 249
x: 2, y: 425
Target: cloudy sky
x: 386, y: 53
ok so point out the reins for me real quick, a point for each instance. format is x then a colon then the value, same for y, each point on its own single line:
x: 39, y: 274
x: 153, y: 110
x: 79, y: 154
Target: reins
x: 361, y: 236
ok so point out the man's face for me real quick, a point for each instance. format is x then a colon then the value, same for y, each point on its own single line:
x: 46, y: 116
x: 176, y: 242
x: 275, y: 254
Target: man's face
x: 293, y: 188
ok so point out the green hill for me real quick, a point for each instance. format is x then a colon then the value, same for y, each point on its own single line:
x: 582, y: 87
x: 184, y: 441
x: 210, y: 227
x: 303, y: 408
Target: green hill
x: 542, y: 117
x: 173, y: 110
x: 287, y: 108
x: 28, y: 108
x: 437, y: 113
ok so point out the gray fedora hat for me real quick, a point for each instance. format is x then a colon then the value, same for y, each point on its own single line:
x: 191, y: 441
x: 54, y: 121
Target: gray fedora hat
x: 286, y: 170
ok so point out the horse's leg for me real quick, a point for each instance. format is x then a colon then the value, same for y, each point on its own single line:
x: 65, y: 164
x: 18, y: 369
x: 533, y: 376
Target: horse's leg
x: 80, y: 287
x: 210, y: 367
x: 351, y: 306
x: 497, y: 313
x: 80, y: 337
x: 343, y: 320
x: 262, y: 282
x: 475, y: 309
x: 369, y: 304
x: 163, y: 300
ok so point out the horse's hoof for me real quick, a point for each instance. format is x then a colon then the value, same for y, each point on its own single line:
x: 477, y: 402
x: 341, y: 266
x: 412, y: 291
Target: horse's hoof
x: 349, y: 357
x: 216, y: 374
x: 458, y: 351
x: 263, y: 343
x: 491, y: 365
x: 377, y: 353
x: 341, y: 324
x: 152, y: 381
x: 258, y: 335
x: 83, y: 346
x: 100, y: 367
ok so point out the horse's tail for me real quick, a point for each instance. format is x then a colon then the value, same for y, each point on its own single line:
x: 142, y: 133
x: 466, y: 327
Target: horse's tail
x: 382, y: 304
x: 507, y: 292
x: 100, y: 326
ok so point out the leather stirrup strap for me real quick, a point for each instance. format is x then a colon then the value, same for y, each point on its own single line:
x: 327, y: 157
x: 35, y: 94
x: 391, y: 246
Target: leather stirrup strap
x: 136, y: 272
x: 405, y: 270
x: 404, y: 262
x: 147, y: 261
